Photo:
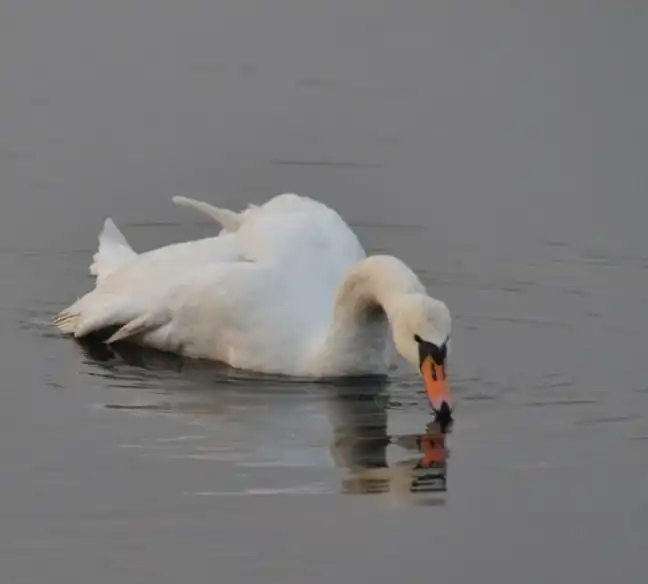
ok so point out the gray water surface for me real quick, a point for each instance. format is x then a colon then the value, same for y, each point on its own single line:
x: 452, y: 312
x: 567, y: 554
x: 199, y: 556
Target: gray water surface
x: 498, y: 148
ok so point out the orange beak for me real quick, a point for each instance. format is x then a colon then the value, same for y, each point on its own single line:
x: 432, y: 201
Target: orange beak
x: 436, y: 385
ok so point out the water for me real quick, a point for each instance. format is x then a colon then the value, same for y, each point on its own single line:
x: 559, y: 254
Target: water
x: 499, y: 149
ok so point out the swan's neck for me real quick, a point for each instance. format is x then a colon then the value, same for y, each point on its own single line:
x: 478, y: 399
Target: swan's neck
x: 359, y: 340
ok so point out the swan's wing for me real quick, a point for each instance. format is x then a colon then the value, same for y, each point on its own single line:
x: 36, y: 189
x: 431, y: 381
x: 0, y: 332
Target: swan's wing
x: 115, y: 254
x: 141, y: 297
x: 129, y: 285
x: 228, y: 220
x: 245, y: 314
x: 210, y: 250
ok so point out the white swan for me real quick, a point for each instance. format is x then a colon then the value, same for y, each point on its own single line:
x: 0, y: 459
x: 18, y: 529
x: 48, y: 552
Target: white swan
x: 284, y: 288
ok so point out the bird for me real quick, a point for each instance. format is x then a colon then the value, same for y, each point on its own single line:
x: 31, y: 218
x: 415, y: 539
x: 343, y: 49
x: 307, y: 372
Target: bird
x: 284, y: 288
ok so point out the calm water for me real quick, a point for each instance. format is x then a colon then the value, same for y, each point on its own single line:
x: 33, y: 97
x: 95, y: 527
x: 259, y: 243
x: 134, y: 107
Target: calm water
x: 499, y: 149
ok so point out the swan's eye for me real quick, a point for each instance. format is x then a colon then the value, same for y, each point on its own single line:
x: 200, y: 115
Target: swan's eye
x: 418, y: 339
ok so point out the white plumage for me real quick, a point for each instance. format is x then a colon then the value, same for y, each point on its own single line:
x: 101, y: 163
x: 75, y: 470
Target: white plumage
x: 284, y: 288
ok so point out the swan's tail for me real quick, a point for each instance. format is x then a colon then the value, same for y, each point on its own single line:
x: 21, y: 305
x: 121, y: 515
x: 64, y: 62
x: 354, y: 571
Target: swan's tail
x: 229, y: 220
x: 113, y: 252
x: 68, y: 320
x: 97, y: 311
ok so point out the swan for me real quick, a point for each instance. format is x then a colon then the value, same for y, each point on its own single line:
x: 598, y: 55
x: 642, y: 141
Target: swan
x: 283, y: 288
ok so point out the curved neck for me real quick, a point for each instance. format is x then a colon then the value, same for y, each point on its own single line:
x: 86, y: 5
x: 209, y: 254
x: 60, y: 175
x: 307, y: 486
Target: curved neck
x: 359, y: 340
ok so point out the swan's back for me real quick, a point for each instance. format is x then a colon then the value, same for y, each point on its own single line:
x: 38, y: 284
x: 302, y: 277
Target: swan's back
x: 296, y: 229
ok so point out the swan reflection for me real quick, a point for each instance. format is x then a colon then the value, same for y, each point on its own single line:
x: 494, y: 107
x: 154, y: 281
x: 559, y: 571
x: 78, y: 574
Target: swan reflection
x: 377, y: 462
x: 412, y: 466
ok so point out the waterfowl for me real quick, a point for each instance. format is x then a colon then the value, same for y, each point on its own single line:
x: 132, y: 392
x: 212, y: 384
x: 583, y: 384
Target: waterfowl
x: 284, y: 288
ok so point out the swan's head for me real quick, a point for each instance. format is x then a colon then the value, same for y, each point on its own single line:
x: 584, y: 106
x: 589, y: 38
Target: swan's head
x: 422, y: 337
